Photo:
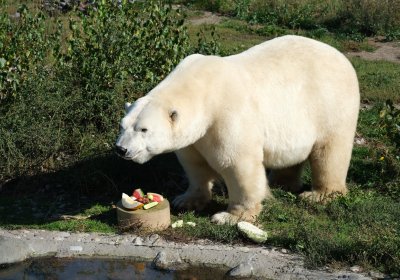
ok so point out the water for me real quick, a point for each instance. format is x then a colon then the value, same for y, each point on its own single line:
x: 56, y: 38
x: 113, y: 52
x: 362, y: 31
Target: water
x: 79, y: 268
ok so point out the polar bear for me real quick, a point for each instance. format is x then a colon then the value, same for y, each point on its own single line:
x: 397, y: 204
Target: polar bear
x: 277, y: 105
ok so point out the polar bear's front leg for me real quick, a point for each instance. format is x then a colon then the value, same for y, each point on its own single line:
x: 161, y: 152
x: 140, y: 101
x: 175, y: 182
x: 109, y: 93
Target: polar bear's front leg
x: 201, y: 177
x: 247, y: 188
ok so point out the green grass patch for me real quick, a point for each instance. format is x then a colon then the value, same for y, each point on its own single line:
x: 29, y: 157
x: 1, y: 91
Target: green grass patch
x: 379, y: 80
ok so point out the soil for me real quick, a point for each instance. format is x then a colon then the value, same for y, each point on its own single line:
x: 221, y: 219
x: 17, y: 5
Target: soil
x: 389, y: 51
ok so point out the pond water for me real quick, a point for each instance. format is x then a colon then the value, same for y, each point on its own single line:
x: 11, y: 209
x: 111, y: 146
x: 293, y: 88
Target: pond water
x: 80, y: 268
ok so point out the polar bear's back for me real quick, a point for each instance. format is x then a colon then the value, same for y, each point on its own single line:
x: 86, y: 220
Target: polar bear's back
x: 304, y: 91
x: 301, y: 73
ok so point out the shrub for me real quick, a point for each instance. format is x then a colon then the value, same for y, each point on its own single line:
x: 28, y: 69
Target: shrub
x: 65, y: 101
x: 356, y: 18
x: 25, y: 43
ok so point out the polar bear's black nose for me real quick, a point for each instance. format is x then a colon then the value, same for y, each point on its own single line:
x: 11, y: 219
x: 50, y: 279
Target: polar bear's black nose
x: 120, y: 150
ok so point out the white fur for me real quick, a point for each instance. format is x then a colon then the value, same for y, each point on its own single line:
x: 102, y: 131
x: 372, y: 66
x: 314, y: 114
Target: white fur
x: 275, y: 105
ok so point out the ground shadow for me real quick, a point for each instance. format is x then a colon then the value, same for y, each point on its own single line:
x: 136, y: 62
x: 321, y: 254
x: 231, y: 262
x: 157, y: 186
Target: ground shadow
x: 90, y: 188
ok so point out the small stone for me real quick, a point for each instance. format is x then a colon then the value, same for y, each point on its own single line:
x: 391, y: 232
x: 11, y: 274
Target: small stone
x: 244, y: 269
x: 164, y: 261
x: 284, y: 251
x: 356, y: 269
x: 265, y: 252
x: 76, y: 248
x: 137, y: 241
x: 376, y: 275
x: 153, y: 238
x: 244, y: 249
x: 192, y: 224
x: 160, y: 261
x: 59, y: 238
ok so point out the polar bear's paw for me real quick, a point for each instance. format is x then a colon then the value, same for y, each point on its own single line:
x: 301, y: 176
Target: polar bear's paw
x: 320, y: 197
x: 223, y: 218
x: 191, y: 201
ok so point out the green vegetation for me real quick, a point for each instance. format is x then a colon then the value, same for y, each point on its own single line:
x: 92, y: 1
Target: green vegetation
x: 63, y: 83
x: 355, y: 19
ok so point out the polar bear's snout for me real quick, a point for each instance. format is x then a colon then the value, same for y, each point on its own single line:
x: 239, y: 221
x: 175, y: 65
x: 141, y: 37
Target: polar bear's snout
x: 121, y: 151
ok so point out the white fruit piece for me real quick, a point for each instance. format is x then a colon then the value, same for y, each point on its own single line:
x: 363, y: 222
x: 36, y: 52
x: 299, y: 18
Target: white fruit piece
x: 129, y: 202
x: 177, y: 224
x: 252, y: 232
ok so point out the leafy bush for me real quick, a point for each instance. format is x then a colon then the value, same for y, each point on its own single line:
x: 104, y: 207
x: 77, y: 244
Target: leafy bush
x: 356, y: 18
x: 390, y: 122
x: 25, y: 43
x: 62, y: 99
x: 115, y: 43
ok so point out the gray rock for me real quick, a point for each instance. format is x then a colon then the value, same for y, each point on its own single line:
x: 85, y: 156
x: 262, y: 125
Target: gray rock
x: 244, y: 269
x: 137, y: 241
x: 168, y: 261
x: 76, y: 248
x: 13, y: 250
x: 160, y: 261
x: 355, y: 268
x: 376, y: 275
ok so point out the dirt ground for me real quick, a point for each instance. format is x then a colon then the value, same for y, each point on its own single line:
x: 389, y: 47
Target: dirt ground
x: 389, y: 51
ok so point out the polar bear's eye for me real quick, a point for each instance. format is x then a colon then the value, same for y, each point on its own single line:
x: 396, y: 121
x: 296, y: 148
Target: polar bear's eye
x: 144, y: 130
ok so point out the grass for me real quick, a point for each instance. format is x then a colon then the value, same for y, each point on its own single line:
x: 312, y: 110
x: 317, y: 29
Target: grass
x: 359, y: 229
x: 379, y: 80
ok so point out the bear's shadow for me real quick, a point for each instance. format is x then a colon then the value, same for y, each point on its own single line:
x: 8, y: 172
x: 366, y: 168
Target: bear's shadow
x: 93, y: 183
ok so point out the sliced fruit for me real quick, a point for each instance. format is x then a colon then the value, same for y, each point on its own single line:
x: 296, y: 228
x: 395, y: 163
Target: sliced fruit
x: 177, y: 224
x: 155, y: 196
x: 130, y: 203
x: 252, y: 232
x: 138, y: 193
x: 150, y: 205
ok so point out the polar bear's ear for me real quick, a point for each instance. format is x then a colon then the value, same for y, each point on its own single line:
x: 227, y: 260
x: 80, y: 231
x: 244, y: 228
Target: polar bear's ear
x: 127, y: 105
x: 173, y: 114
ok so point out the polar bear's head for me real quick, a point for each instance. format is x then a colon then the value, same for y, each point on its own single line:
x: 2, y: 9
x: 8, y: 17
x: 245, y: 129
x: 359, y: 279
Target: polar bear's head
x: 146, y: 130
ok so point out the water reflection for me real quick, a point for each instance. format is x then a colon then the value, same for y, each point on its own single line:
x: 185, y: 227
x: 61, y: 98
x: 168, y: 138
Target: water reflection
x: 78, y: 268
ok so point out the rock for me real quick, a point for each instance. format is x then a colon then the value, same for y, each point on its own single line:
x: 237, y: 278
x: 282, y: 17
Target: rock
x: 168, y: 261
x: 244, y: 269
x: 76, y: 248
x: 137, y: 241
x: 152, y: 238
x: 356, y: 269
x: 160, y: 261
x: 13, y: 250
x: 376, y: 275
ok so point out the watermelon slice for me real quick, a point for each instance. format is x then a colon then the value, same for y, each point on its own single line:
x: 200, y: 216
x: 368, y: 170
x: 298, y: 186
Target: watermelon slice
x: 138, y: 193
x: 155, y: 197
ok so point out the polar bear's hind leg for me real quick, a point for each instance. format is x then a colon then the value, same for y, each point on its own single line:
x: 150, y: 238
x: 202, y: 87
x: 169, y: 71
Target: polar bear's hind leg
x: 329, y: 165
